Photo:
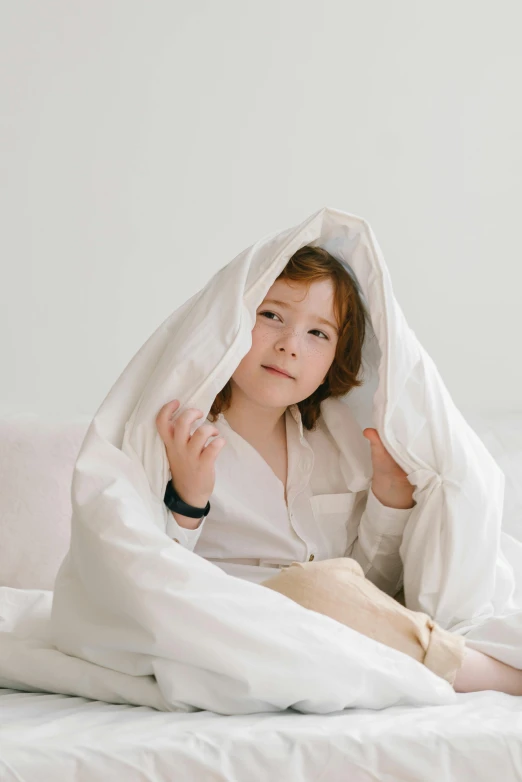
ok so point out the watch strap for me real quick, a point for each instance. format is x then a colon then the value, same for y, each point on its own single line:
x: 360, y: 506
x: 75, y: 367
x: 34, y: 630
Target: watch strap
x: 174, y: 503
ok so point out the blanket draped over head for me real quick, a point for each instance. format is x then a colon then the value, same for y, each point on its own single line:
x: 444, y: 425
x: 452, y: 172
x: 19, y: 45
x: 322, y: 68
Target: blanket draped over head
x: 132, y: 600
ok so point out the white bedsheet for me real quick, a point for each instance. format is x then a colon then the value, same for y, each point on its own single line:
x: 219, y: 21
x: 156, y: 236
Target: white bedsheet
x: 55, y: 738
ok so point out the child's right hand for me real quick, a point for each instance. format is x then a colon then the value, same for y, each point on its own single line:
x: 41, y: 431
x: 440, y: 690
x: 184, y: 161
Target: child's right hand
x: 191, y: 464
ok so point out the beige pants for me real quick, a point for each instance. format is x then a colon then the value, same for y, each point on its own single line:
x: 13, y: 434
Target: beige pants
x: 339, y: 589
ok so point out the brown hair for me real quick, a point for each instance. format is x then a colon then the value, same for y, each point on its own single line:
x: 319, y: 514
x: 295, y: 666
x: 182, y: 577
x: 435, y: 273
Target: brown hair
x: 306, y: 266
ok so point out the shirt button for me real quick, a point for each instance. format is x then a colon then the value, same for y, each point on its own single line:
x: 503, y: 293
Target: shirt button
x: 175, y: 540
x: 311, y: 557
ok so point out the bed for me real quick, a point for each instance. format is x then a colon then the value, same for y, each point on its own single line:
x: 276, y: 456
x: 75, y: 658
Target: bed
x: 51, y: 736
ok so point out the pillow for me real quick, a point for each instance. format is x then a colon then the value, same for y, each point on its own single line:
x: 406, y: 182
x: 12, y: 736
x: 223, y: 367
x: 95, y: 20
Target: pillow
x: 36, y: 464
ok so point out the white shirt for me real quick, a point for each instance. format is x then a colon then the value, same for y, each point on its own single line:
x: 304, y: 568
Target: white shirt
x: 250, y: 530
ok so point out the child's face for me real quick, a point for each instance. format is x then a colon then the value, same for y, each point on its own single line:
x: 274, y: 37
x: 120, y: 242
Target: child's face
x: 292, y: 336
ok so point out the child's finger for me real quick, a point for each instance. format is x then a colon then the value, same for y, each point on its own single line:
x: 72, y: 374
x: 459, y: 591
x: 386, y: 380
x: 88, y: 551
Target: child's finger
x: 201, y: 435
x: 184, y: 423
x: 163, y: 419
x: 210, y: 453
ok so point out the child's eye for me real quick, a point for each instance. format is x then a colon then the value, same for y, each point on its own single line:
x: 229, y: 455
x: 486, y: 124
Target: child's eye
x: 267, y: 312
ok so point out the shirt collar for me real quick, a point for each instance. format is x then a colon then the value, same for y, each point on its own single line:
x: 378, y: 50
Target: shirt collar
x: 296, y: 415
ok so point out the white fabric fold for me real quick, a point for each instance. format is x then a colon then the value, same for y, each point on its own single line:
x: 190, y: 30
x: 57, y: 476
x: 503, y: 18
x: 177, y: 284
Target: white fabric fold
x: 130, y: 599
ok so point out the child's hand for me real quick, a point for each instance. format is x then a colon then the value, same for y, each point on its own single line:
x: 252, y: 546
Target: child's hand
x: 191, y: 465
x: 390, y: 483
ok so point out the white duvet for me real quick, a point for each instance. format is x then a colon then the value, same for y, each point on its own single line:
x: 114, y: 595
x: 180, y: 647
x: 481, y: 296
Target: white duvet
x: 172, y: 630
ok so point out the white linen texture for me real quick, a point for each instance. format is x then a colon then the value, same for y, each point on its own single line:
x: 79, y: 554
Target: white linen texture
x: 129, y: 599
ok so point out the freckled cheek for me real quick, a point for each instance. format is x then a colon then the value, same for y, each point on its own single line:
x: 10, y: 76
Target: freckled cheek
x: 260, y: 336
x: 311, y: 348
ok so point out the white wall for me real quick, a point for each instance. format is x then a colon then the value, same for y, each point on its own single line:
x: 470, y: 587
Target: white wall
x: 145, y: 144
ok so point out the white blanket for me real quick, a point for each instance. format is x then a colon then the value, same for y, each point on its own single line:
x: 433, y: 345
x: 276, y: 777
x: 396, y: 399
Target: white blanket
x: 131, y: 600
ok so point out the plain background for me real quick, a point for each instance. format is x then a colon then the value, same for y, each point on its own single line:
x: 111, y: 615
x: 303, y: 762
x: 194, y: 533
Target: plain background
x: 145, y: 144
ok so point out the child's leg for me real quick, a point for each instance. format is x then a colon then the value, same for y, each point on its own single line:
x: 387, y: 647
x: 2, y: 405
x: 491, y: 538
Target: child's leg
x: 339, y: 589
x: 481, y: 672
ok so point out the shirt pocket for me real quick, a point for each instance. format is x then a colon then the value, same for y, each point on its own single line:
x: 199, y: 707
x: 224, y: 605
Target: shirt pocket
x: 332, y: 513
x: 333, y: 505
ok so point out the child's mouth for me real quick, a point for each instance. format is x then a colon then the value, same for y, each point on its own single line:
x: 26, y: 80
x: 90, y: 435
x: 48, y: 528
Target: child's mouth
x: 276, y: 372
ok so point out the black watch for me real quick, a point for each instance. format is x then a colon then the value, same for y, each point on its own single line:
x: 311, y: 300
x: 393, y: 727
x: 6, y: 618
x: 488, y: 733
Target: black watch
x: 174, y: 502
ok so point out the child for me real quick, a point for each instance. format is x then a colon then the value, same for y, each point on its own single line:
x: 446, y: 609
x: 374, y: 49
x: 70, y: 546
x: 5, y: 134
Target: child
x: 279, y: 499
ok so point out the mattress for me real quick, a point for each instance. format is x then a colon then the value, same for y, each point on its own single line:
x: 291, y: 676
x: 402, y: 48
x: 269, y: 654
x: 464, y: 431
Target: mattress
x: 55, y: 737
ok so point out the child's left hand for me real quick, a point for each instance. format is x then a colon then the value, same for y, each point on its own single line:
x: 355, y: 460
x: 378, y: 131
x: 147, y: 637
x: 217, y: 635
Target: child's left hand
x: 389, y: 483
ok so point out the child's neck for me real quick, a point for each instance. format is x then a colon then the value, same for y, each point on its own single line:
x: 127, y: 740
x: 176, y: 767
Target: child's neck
x: 256, y: 424
x: 265, y: 430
